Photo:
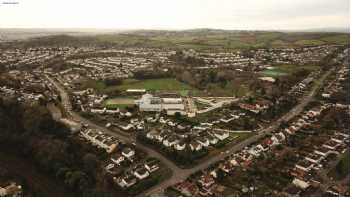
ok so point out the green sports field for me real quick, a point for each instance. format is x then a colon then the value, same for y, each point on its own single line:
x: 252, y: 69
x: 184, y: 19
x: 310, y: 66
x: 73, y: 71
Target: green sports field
x: 157, y: 85
x: 282, y: 70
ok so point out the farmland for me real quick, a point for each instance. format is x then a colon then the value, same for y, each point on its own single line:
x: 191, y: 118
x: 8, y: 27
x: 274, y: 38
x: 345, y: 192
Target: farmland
x: 214, y: 39
x: 199, y: 39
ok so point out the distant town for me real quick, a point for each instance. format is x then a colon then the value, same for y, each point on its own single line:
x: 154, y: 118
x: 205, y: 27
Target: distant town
x: 105, y: 120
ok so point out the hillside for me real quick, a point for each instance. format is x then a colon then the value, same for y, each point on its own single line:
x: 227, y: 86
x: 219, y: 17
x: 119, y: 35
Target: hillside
x: 196, y: 39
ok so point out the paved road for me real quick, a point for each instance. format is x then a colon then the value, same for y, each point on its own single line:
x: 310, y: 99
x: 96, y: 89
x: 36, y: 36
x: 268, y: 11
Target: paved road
x: 182, y: 174
x: 131, y: 139
x: 64, y: 95
x: 178, y: 173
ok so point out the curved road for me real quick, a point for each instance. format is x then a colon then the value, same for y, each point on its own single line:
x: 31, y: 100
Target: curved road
x: 75, y: 116
x: 182, y: 174
x: 178, y: 173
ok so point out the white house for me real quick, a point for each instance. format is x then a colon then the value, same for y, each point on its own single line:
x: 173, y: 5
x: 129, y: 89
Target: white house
x: 127, y: 127
x: 339, y: 138
x: 128, y: 153
x: 170, y: 141
x: 213, y: 140
x: 304, y: 165
x: 180, y: 146
x: 151, y: 166
x: 141, y: 173
x: 161, y: 136
x: 203, y: 141
x: 126, y: 181
x: 221, y: 135
x: 300, y: 183
x: 332, y: 145
x: 314, y: 158
x: 118, y: 160
x: 323, y: 151
x: 195, y: 146
x: 152, y: 134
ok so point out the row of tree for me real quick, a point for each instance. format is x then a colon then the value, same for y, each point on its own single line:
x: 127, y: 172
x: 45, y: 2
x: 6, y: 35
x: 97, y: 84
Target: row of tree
x: 50, y: 146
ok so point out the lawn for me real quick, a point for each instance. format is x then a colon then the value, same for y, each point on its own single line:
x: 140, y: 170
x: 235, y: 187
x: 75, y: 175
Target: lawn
x: 230, y: 89
x: 157, y: 85
x: 166, y: 85
x: 90, y: 83
x: 345, y: 169
x: 201, y: 106
x: 282, y: 70
x: 273, y: 73
x: 233, y: 139
x: 121, y: 102
x: 125, y: 101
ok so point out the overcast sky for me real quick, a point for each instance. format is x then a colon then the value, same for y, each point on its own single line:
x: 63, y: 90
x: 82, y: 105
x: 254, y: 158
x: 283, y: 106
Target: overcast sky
x: 175, y: 14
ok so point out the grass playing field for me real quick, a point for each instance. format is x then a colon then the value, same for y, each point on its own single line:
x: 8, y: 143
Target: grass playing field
x: 282, y: 70
x: 157, y: 85
x: 121, y: 102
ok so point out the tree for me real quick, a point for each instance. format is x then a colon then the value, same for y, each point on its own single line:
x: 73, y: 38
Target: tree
x: 222, y: 82
x: 96, y: 193
x: 340, y: 167
x: 76, y: 180
x: 61, y: 173
x: 220, y: 174
x: 177, y: 115
x: 91, y: 163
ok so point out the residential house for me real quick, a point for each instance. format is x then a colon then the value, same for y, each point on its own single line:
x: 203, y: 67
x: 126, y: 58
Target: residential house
x: 203, y: 141
x: 304, y: 165
x: 187, y: 188
x: 180, y: 146
x: 221, y: 135
x: 152, y: 166
x: 128, y: 153
x: 206, y: 180
x: 323, y: 151
x: 126, y: 181
x: 141, y: 173
x: 117, y: 159
x: 170, y: 141
x: 212, y: 140
x: 301, y: 183
x: 314, y: 158
x: 195, y: 146
x: 331, y: 144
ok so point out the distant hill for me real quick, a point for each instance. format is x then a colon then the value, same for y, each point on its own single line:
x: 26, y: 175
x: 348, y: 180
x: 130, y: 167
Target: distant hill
x: 11, y: 34
x: 336, y: 30
x: 200, y: 39
x: 224, y: 39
